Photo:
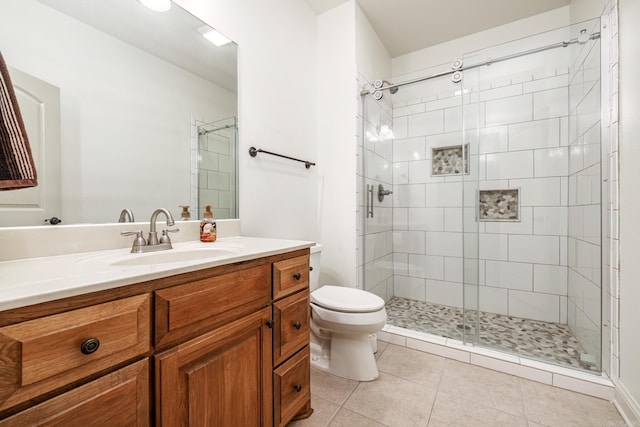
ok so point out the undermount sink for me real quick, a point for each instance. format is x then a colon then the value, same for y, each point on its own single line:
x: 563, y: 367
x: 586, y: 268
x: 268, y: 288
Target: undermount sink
x: 172, y: 255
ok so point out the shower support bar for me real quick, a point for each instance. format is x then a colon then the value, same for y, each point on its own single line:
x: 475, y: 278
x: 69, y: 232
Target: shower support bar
x: 253, y: 151
x: 489, y: 61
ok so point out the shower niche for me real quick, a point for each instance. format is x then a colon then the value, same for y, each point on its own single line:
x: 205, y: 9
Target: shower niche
x: 450, y: 160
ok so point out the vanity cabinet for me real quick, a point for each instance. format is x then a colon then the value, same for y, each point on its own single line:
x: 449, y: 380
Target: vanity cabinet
x: 224, y: 346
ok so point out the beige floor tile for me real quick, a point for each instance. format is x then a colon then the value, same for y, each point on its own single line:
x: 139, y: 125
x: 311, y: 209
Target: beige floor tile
x: 323, y: 411
x: 330, y: 387
x: 450, y: 410
x: 347, y: 418
x: 392, y: 401
x: 413, y: 365
x: 486, y: 387
x: 552, y: 406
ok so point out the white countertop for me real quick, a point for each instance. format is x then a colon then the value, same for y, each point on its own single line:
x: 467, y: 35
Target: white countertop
x: 35, y: 280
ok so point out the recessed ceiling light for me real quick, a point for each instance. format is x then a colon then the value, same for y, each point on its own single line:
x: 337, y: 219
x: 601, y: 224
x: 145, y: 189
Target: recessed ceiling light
x: 157, y: 5
x: 213, y: 36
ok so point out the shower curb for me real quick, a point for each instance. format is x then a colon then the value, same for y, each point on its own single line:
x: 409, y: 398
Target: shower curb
x: 596, y: 385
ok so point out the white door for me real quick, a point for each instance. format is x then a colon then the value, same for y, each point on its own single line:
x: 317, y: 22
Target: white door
x: 40, y: 107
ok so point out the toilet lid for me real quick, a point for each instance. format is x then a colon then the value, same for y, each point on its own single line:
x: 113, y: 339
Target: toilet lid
x: 341, y: 298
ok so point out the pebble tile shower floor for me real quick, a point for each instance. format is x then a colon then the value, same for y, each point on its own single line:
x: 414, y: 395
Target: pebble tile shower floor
x: 550, y: 342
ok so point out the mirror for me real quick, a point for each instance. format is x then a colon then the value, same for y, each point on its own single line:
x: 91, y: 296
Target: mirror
x: 141, y: 97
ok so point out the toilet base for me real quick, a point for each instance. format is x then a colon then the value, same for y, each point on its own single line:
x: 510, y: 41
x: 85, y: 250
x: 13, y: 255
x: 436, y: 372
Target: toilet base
x: 344, y: 355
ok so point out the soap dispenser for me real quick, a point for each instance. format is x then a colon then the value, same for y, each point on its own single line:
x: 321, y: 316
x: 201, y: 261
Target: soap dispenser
x: 184, y: 215
x: 208, y: 231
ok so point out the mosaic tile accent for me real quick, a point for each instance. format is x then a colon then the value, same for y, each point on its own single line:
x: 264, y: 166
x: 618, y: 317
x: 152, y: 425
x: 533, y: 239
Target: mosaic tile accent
x: 548, y: 342
x: 499, y: 205
x: 449, y: 160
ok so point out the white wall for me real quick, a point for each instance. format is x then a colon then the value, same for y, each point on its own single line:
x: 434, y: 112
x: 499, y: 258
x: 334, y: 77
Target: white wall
x: 102, y: 141
x: 445, y: 53
x: 629, y: 128
x: 276, y: 109
x: 336, y: 108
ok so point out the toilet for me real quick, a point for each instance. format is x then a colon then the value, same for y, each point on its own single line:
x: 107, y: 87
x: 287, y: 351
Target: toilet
x: 342, y: 322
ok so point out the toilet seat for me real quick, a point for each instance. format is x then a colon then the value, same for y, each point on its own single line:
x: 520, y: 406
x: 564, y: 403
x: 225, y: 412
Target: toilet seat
x: 348, y: 300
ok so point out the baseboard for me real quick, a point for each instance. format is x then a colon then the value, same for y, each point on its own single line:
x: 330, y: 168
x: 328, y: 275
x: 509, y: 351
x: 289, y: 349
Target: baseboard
x: 626, y: 405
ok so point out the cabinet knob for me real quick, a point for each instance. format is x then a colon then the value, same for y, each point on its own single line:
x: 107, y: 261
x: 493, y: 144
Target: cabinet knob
x: 297, y: 276
x: 297, y: 325
x: 90, y: 346
x: 297, y: 387
x: 270, y: 324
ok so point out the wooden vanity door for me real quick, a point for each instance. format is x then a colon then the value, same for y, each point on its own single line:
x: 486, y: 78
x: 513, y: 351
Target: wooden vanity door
x: 222, y: 378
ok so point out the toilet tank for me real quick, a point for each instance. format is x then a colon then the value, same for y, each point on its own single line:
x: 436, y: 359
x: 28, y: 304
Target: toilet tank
x: 314, y: 263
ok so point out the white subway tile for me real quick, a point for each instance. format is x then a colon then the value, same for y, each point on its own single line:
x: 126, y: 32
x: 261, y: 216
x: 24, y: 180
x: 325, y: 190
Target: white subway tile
x: 409, y: 196
x: 518, y: 164
x: 534, y: 249
x: 501, y: 92
x: 420, y: 173
x: 445, y: 293
x: 409, y: 241
x: 550, y: 279
x: 443, y: 195
x: 551, y: 162
x: 493, y: 139
x: 453, y: 119
x: 426, y: 266
x: 409, y: 149
x: 444, y: 244
x: 551, y: 103
x: 548, y: 83
x: 524, y: 226
x: 427, y: 219
x: 408, y: 110
x: 428, y: 123
x: 409, y: 287
x: 534, y: 306
x: 400, y: 127
x: 493, y: 300
x: 509, y: 110
x: 511, y: 275
x: 453, y: 219
x: 538, y: 191
x: 536, y: 134
x: 494, y: 247
x: 401, y: 172
x: 550, y: 220
x: 453, y: 270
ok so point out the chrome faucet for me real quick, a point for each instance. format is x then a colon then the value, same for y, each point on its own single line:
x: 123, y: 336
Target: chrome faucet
x: 126, y: 214
x: 152, y: 243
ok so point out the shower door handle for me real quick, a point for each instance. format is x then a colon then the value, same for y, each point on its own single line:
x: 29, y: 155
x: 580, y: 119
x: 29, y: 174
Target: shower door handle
x: 369, y: 206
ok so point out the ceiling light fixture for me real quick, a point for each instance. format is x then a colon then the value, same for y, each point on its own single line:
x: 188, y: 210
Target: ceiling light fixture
x: 213, y: 36
x: 157, y: 5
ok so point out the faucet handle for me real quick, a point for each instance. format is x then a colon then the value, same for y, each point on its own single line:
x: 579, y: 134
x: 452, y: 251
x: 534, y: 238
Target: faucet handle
x: 137, y: 242
x: 165, y: 235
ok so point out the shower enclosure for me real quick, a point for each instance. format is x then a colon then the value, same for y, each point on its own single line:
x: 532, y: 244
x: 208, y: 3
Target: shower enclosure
x: 482, y: 198
x: 216, y: 167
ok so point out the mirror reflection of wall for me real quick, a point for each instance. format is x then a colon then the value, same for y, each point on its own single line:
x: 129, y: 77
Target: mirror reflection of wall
x: 126, y: 115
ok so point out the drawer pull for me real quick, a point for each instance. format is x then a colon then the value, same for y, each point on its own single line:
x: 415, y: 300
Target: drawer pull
x: 297, y: 387
x: 90, y: 346
x: 297, y: 276
x: 270, y: 324
x: 297, y: 325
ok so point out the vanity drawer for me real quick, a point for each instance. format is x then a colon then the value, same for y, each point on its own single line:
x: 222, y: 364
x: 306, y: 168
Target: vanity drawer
x: 120, y: 398
x: 44, y: 354
x: 183, y: 310
x: 291, y: 387
x: 291, y: 317
x: 290, y: 275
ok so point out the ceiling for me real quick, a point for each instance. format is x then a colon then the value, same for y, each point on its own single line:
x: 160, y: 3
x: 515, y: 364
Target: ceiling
x: 408, y: 25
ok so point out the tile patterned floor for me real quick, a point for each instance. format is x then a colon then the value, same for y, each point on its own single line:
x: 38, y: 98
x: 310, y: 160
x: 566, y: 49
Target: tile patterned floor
x: 549, y: 342
x: 423, y: 390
